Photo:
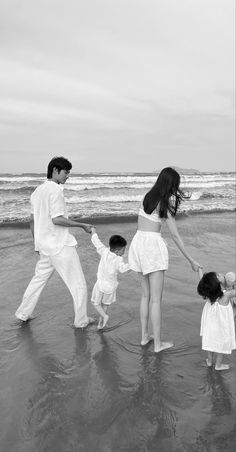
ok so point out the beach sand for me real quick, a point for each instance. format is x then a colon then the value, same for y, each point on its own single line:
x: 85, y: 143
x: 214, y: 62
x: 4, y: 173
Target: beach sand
x: 68, y: 390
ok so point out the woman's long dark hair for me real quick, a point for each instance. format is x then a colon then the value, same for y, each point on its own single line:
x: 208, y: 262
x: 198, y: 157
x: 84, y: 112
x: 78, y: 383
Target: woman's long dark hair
x: 165, y: 193
x: 209, y: 287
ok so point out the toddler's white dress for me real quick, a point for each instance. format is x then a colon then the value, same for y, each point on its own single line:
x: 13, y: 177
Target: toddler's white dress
x: 217, y: 328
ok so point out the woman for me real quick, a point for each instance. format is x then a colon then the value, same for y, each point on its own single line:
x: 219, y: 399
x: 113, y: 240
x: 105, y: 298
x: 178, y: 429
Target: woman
x: 148, y: 254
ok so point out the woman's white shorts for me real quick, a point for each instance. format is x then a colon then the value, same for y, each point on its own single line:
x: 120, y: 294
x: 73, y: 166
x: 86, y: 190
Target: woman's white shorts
x: 148, y: 252
x: 99, y: 297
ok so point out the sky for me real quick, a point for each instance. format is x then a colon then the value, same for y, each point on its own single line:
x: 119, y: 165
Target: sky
x: 117, y: 85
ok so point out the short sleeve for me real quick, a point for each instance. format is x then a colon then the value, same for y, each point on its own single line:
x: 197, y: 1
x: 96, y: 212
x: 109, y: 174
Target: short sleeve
x: 56, y: 204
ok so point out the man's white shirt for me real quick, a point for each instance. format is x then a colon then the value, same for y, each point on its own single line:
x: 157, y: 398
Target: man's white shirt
x: 47, y: 202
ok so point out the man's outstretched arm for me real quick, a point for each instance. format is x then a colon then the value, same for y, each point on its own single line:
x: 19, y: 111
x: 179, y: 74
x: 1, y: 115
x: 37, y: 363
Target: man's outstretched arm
x: 66, y: 222
x: 31, y: 224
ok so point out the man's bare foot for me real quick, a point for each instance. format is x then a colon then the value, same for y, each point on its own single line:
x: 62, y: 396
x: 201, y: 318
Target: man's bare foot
x: 163, y: 346
x: 209, y: 363
x: 146, y: 340
x: 89, y: 322
x: 222, y: 367
x: 24, y: 321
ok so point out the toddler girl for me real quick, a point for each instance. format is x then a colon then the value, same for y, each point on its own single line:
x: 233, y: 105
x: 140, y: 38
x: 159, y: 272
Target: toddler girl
x: 217, y: 322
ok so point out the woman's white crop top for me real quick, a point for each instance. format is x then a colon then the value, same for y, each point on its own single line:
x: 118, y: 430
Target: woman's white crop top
x: 154, y: 216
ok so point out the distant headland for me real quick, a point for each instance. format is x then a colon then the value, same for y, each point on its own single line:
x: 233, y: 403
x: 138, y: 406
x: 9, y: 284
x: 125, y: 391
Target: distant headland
x: 186, y: 170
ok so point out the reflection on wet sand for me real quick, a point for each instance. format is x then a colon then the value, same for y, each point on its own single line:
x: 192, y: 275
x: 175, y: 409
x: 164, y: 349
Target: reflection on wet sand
x: 222, y: 422
x: 42, y: 396
x: 109, y: 394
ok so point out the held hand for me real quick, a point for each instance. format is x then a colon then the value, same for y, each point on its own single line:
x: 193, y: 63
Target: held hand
x: 93, y: 230
x: 88, y: 228
x: 195, y: 266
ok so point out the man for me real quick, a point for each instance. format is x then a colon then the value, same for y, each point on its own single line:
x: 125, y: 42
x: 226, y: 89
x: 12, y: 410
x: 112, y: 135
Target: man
x: 49, y: 225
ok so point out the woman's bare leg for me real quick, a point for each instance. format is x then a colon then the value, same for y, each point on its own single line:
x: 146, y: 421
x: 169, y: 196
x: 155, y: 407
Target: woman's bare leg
x: 156, y: 284
x: 144, y: 308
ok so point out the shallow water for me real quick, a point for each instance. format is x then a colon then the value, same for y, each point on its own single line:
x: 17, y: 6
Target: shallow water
x: 68, y: 390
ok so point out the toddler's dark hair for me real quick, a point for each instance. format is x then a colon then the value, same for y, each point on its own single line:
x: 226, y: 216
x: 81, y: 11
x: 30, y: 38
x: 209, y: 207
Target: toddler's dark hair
x: 116, y: 242
x: 60, y: 163
x: 209, y: 287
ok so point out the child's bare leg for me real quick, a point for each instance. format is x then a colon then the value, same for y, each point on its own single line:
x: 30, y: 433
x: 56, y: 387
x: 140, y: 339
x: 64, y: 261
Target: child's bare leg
x: 209, y: 359
x: 102, y: 312
x: 105, y: 307
x: 105, y: 319
x: 103, y: 316
x: 100, y: 320
x: 219, y: 365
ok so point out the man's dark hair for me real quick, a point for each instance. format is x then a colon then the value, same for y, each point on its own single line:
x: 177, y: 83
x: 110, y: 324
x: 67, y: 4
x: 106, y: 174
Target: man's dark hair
x: 60, y: 163
x: 117, y: 242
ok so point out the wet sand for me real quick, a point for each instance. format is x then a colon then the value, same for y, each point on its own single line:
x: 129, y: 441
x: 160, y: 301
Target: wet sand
x: 67, y: 390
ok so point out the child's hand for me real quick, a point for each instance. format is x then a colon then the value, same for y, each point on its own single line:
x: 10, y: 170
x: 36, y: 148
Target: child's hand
x: 229, y: 279
x: 88, y: 228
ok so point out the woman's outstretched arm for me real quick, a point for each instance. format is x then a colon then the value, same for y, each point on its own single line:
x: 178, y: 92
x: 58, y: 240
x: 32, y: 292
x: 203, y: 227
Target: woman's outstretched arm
x: 171, y: 224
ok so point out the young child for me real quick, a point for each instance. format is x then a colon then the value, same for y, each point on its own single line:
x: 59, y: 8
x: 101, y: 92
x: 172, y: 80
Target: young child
x: 217, y: 322
x: 111, y: 263
x: 227, y: 280
x: 228, y: 283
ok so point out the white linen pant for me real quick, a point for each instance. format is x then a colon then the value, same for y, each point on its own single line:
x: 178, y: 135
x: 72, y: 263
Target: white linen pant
x: 67, y: 264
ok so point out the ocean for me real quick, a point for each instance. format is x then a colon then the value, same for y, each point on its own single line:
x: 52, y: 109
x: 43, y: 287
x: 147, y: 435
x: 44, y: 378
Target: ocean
x: 107, y: 195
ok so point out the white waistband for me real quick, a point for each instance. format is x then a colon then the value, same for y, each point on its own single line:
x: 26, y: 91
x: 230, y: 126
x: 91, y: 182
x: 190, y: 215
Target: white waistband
x: 147, y: 232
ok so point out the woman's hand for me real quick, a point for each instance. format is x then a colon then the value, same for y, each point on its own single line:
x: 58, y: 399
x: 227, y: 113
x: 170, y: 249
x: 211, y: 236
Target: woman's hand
x: 195, y: 266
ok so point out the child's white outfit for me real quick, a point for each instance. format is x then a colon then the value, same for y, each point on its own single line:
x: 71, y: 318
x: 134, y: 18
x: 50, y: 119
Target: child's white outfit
x: 104, y: 290
x: 217, y: 328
